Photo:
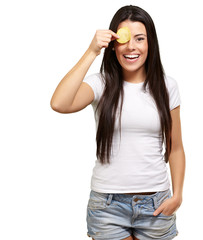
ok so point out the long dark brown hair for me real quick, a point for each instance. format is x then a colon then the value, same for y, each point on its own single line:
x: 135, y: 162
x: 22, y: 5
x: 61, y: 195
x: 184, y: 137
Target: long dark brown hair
x: 111, y: 72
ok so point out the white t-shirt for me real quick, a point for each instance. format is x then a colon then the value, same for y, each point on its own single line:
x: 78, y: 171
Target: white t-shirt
x: 137, y: 161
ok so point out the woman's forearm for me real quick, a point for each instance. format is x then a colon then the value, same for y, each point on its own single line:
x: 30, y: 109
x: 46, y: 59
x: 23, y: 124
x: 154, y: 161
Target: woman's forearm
x: 177, y: 168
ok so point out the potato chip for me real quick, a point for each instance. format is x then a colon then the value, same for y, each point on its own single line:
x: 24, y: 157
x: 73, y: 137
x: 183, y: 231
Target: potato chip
x: 124, y: 34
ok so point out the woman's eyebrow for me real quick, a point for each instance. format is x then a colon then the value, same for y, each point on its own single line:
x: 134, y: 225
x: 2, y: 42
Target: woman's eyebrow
x: 140, y: 34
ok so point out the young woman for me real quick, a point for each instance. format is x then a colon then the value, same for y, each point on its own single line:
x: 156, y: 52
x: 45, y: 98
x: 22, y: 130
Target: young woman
x: 137, y: 109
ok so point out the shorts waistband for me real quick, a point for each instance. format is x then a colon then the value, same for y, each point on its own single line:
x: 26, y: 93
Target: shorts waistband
x: 137, y: 198
x: 133, y: 199
x: 143, y: 193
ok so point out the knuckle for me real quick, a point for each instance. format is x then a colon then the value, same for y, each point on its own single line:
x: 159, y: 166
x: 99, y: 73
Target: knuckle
x: 100, y: 45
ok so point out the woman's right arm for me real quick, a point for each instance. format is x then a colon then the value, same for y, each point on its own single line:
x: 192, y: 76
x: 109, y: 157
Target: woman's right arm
x: 71, y: 94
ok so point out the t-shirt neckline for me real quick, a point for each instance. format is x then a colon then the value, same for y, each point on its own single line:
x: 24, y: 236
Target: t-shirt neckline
x: 134, y: 84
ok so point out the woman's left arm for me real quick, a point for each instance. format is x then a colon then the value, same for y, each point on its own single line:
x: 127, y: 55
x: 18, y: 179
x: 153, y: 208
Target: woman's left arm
x: 177, y: 156
x: 177, y: 167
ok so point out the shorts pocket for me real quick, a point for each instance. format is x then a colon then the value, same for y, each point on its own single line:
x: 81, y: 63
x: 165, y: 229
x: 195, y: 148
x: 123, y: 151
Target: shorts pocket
x: 162, y: 197
x: 97, y: 201
x: 93, y: 204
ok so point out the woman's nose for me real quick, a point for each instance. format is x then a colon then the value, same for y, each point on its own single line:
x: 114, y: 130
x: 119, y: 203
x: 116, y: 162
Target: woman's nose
x: 131, y: 44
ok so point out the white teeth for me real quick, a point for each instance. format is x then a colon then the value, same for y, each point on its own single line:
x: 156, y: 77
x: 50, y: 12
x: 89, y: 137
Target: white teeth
x: 131, y: 56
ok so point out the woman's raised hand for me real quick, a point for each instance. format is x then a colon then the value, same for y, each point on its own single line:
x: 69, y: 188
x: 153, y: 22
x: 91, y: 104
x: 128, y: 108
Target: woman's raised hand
x: 101, y: 39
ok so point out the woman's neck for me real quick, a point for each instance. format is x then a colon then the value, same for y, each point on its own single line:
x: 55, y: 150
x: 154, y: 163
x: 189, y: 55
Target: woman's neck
x: 135, y: 77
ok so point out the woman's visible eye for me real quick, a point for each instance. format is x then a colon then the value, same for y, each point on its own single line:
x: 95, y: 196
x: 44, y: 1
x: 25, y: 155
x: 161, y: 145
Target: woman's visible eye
x: 140, y: 39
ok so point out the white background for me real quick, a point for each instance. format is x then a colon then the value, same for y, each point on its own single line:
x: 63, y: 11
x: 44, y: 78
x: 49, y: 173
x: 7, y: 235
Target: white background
x: 46, y: 158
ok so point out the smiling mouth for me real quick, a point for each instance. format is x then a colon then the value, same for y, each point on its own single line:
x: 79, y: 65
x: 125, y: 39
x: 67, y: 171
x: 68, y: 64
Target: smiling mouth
x: 131, y: 57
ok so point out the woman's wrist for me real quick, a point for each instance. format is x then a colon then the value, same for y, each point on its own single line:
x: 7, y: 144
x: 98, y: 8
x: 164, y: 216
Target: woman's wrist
x: 91, y: 53
x: 178, y: 197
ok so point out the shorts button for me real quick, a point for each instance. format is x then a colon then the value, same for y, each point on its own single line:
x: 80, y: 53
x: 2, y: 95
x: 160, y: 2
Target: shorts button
x: 136, y: 199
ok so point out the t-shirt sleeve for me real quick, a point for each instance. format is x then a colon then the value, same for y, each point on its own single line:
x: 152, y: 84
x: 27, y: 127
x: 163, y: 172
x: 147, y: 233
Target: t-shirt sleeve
x: 95, y: 82
x: 174, y: 94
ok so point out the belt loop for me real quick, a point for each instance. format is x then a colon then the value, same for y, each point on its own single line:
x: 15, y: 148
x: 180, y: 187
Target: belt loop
x: 155, y: 201
x: 109, y: 199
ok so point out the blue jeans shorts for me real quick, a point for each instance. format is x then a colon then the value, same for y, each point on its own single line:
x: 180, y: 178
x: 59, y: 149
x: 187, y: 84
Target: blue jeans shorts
x: 117, y: 216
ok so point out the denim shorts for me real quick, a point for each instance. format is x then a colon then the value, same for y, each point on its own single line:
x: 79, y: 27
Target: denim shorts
x: 117, y: 216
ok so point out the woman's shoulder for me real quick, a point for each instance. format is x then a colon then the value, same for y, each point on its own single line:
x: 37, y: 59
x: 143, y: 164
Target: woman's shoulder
x: 94, y: 79
x: 96, y: 82
x: 173, y: 90
x: 170, y: 82
x: 94, y: 76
